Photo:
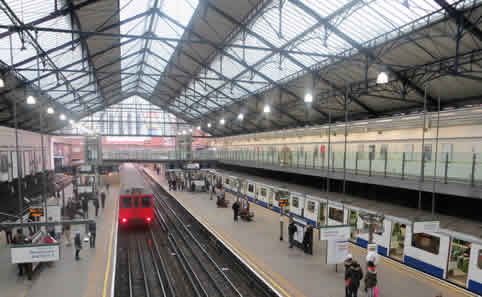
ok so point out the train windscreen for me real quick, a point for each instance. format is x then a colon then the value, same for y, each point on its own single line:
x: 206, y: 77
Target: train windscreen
x: 146, y: 202
x: 126, y: 202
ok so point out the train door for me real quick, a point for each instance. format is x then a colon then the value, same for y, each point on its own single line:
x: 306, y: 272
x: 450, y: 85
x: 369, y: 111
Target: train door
x: 256, y: 193
x: 322, y: 214
x: 475, y: 269
x: 270, y: 198
x: 352, y: 221
x: 458, y: 264
x: 397, y: 241
x: 125, y: 212
x: 311, y: 210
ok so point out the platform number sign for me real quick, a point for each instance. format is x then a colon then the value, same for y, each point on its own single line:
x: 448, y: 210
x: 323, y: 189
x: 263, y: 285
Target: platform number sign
x: 283, y: 198
x: 36, y: 211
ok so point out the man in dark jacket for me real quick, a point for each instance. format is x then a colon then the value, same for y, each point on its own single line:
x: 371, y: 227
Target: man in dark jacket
x: 308, y: 240
x: 236, y: 210
x: 102, y: 199
x: 371, y: 279
x: 291, y: 232
x: 85, y: 207
x: 355, y: 276
x: 92, y: 230
x: 347, y: 264
x: 78, y: 245
x: 96, y: 205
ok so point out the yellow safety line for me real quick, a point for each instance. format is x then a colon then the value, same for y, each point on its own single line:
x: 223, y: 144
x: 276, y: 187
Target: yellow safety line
x: 107, y: 269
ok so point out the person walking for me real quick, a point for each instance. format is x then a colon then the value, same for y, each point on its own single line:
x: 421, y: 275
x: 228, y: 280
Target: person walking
x: 236, y: 210
x: 102, y: 199
x: 355, y: 275
x: 96, y: 205
x: 78, y: 245
x: 347, y: 264
x: 291, y: 232
x: 93, y: 234
x: 371, y: 279
x: 107, y: 186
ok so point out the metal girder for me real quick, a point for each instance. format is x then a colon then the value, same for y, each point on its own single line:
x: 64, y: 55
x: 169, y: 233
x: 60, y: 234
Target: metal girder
x: 459, y: 17
x: 156, y: 38
x: 193, y: 77
x: 365, y: 51
x: 148, y: 32
x: 84, y: 44
x: 230, y: 56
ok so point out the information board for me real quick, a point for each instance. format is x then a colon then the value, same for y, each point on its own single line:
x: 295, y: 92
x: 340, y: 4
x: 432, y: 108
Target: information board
x: 35, y: 253
x: 85, y: 168
x: 426, y: 227
x: 283, y: 198
x: 192, y: 166
x: 36, y: 211
x: 337, y: 251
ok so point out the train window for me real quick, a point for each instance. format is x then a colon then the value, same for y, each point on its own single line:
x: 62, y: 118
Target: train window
x: 136, y: 202
x: 295, y: 202
x: 263, y: 192
x: 311, y: 206
x: 371, y: 151
x: 146, y: 202
x: 426, y: 242
x: 250, y: 188
x: 479, y: 260
x: 336, y: 214
x: 447, y: 151
x: 408, y: 149
x: 383, y: 151
x: 126, y: 202
x: 427, y: 151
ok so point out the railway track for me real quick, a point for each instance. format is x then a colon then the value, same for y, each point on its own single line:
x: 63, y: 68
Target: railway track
x: 178, y: 257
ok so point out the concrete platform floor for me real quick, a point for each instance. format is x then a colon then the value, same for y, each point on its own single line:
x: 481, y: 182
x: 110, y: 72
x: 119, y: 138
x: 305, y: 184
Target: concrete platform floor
x: 292, y: 272
x: 88, y: 277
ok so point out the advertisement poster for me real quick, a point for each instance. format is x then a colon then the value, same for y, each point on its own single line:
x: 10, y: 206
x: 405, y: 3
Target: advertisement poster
x: 35, y: 253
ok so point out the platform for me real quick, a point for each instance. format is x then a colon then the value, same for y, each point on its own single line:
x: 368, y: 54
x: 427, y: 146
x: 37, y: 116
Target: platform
x: 292, y: 272
x: 88, y: 277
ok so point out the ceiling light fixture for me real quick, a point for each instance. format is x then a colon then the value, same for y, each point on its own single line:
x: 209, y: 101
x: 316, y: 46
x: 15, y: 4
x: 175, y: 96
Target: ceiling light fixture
x: 267, y: 109
x: 382, y: 78
x: 209, y: 125
x: 2, y: 83
x: 50, y: 110
x: 222, y: 121
x: 240, y: 116
x: 62, y: 117
x: 31, y: 100
x: 308, y: 98
x: 199, y: 127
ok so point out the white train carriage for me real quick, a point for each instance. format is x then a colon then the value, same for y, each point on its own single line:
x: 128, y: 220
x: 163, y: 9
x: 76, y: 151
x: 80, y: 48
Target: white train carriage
x: 474, y: 280
x: 443, y: 255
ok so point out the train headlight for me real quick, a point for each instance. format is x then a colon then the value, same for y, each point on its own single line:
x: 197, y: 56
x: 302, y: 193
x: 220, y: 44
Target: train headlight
x: 124, y: 220
x: 148, y: 219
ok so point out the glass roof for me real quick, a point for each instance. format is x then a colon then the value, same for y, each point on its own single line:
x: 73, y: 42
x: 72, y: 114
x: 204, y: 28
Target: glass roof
x: 362, y: 21
x: 132, y: 116
x: 179, y: 10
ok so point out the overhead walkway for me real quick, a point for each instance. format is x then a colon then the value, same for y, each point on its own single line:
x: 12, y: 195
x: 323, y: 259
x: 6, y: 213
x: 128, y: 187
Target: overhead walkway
x: 461, y: 176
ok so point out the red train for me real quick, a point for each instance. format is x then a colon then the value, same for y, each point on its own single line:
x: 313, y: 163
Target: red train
x: 135, y: 205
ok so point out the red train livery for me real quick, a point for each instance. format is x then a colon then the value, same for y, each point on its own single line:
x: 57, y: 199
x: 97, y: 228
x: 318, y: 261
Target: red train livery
x: 135, y: 207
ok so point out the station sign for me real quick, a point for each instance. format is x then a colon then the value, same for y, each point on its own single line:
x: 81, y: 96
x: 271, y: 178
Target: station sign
x: 36, y: 211
x: 35, y: 253
x: 192, y: 166
x: 333, y: 233
x: 283, y: 198
x: 426, y: 227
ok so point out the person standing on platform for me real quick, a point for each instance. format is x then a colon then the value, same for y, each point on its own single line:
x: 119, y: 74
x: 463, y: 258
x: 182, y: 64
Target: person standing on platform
x: 93, y: 234
x: 96, y: 205
x: 355, y: 275
x: 51, y: 228
x: 347, y: 264
x: 308, y: 240
x: 107, y: 186
x: 8, y: 234
x: 236, y: 210
x: 19, y: 238
x: 291, y: 232
x: 78, y: 245
x: 85, y: 207
x: 67, y: 235
x: 102, y: 199
x: 371, y: 279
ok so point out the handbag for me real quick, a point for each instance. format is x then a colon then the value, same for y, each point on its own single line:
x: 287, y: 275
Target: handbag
x: 375, y: 292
